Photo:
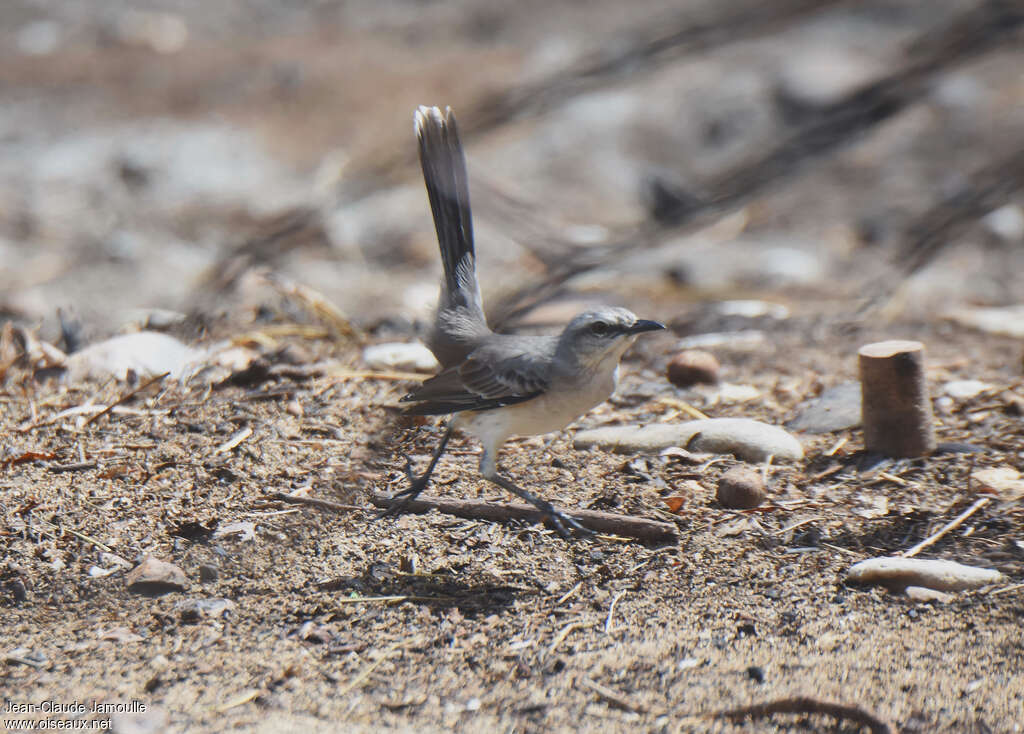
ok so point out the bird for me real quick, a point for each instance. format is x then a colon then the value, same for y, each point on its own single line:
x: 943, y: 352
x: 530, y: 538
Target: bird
x: 494, y: 385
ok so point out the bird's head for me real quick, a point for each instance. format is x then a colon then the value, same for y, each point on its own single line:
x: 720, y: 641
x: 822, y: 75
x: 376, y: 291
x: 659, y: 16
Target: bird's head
x: 594, y: 336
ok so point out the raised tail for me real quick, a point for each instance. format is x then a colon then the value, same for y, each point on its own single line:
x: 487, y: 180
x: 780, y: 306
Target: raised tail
x: 460, y: 317
x: 444, y: 171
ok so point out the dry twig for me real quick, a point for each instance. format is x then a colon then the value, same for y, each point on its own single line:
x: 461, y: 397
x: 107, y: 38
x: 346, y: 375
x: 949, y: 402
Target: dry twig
x: 77, y: 466
x: 562, y: 634
x: 611, y: 611
x: 648, y: 531
x: 947, y: 528
x: 126, y: 397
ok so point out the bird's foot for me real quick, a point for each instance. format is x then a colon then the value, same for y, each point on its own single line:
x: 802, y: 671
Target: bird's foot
x: 400, y: 500
x: 560, y: 520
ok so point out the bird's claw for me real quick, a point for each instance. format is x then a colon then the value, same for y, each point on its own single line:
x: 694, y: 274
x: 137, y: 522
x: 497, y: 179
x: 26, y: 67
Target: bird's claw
x: 401, y: 500
x: 560, y: 520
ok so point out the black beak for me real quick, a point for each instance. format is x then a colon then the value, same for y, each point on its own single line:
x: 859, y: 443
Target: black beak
x: 643, y: 325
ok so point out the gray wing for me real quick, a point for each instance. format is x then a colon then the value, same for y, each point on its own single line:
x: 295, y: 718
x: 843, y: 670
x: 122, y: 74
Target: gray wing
x: 479, y: 383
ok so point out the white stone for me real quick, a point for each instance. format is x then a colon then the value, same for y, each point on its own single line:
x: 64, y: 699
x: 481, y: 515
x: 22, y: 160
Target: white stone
x: 1006, y: 222
x: 746, y: 439
x: 413, y: 357
x: 752, y: 309
x: 898, y: 573
x: 146, y: 353
x: 965, y: 389
x: 745, y: 340
x: 1005, y: 321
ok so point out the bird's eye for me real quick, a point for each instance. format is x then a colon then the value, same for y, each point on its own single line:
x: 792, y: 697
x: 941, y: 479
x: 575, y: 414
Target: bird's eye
x: 599, y: 328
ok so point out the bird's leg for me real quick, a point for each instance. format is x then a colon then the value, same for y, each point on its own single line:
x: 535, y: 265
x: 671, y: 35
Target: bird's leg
x: 489, y: 469
x: 416, y: 483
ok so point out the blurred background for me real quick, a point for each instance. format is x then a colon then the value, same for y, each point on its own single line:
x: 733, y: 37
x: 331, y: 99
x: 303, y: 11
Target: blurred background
x: 163, y: 156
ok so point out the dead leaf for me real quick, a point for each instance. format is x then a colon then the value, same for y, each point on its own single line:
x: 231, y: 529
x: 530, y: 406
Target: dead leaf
x: 674, y: 503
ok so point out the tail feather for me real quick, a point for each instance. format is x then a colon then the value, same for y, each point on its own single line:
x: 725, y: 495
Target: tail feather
x: 444, y: 171
x: 460, y: 322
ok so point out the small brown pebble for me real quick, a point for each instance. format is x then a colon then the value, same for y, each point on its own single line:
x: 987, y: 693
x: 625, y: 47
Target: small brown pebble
x: 692, y: 367
x: 208, y: 573
x: 741, y: 488
x: 154, y: 577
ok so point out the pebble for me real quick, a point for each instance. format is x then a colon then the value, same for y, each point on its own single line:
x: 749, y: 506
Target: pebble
x: 898, y: 573
x: 120, y: 635
x: 192, y: 610
x: 727, y: 393
x: 836, y: 409
x: 114, y: 560
x: 965, y: 389
x: 741, y: 341
x: 1004, y: 321
x: 1003, y: 480
x: 820, y: 76
x: 921, y: 593
x: 208, y: 573
x: 245, y: 530
x: 751, y: 309
x: 691, y: 367
x: 413, y: 357
x: 154, y: 577
x: 144, y: 353
x: 1006, y: 222
x: 741, y: 489
x: 744, y: 438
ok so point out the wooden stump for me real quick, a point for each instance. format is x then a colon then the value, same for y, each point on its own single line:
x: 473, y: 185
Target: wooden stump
x: 896, y: 411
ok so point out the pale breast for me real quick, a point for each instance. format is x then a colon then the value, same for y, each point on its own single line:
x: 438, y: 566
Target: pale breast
x: 552, y: 411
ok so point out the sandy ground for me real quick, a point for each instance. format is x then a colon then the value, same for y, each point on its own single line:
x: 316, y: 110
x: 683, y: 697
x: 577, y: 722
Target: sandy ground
x: 168, y: 157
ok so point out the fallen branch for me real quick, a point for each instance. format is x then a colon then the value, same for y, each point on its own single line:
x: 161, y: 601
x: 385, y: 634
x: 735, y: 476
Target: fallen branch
x: 648, y: 531
x: 626, y: 54
x: 965, y: 36
x: 807, y: 706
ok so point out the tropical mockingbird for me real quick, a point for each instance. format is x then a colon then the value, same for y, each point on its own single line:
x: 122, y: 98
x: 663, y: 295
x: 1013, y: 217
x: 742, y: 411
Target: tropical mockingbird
x: 500, y: 385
